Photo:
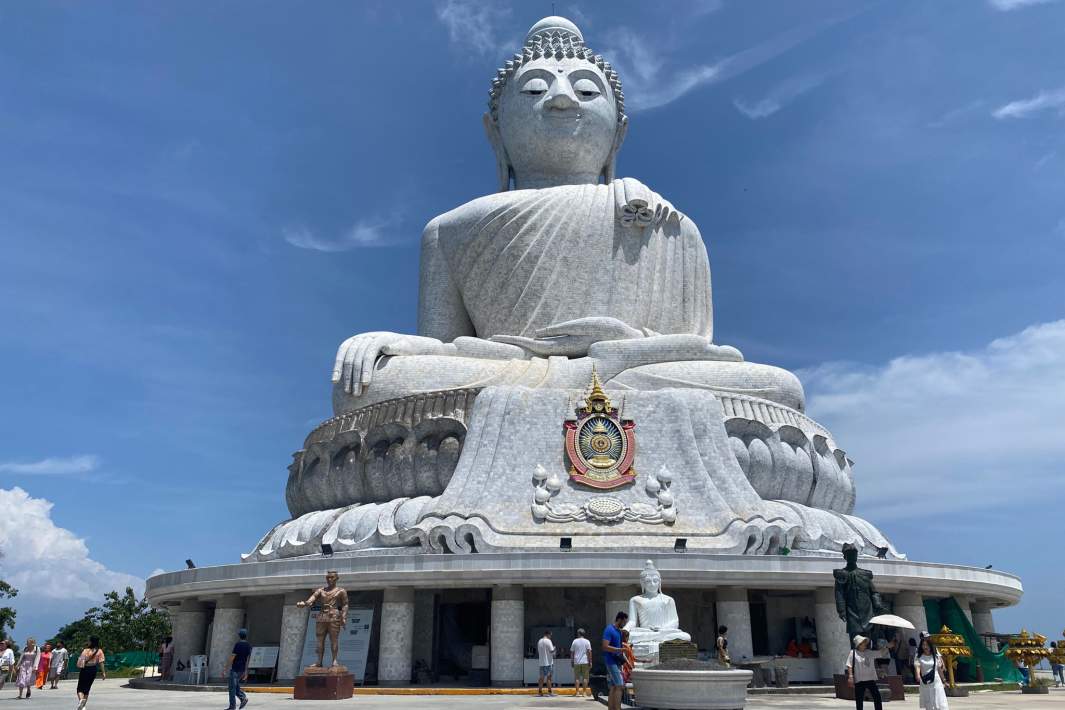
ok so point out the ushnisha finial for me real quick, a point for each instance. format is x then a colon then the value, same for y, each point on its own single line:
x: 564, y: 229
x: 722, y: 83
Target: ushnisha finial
x: 553, y: 25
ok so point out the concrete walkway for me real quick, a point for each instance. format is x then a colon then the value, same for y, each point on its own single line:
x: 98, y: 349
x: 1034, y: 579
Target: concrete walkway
x: 111, y: 695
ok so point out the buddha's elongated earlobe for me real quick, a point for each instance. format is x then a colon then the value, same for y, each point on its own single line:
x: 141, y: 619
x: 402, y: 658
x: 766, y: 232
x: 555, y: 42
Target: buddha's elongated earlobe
x: 503, y: 169
x: 610, y: 169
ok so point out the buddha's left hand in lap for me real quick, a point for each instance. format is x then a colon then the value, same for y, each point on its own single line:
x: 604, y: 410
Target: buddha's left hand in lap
x: 573, y: 338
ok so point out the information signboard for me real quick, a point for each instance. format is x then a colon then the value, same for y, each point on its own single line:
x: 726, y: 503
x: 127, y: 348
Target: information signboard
x: 354, y: 642
x: 263, y: 657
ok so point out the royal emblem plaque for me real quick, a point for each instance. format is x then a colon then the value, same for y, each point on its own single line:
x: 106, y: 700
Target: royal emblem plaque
x: 600, y: 445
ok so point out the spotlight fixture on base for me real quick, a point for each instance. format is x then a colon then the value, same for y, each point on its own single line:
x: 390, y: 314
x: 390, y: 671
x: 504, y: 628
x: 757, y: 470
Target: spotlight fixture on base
x: 190, y: 564
x: 680, y: 545
x: 881, y: 553
x: 565, y: 543
x: 327, y: 549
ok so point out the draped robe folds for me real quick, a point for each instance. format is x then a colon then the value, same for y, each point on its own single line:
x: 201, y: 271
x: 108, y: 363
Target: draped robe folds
x: 535, y: 258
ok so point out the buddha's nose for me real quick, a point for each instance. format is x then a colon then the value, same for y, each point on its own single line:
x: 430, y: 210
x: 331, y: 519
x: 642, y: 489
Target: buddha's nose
x: 561, y: 97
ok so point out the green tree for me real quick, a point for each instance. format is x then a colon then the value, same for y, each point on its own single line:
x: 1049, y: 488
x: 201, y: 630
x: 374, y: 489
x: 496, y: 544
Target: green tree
x: 7, y: 613
x: 122, y: 623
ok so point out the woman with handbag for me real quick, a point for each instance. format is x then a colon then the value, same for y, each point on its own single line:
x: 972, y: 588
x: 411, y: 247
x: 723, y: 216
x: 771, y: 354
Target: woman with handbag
x: 928, y: 667
x: 90, y: 661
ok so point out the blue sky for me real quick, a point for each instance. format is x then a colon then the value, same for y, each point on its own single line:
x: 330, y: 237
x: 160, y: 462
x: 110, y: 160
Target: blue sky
x: 199, y: 203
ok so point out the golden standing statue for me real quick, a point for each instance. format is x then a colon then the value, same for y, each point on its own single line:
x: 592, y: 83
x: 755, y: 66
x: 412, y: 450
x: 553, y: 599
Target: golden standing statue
x: 331, y: 619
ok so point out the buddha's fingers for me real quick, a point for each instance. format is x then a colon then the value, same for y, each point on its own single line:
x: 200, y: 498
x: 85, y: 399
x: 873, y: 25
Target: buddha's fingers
x: 367, y: 349
x: 349, y: 355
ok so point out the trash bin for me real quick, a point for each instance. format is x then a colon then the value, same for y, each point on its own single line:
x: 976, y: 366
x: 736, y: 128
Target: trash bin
x: 780, y: 676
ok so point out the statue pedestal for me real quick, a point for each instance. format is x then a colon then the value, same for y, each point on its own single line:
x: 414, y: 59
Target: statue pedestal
x: 330, y: 683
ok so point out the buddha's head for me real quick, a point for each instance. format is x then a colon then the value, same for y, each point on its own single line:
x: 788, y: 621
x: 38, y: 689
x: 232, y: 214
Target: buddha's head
x: 556, y: 111
x: 331, y: 578
x: 650, y: 579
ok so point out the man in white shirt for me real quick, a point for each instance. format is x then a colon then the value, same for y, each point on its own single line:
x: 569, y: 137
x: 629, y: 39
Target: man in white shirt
x: 546, y: 651
x: 580, y: 652
x: 7, y: 662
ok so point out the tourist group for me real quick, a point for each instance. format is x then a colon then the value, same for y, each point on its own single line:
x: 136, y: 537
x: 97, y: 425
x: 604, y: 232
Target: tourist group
x: 34, y: 667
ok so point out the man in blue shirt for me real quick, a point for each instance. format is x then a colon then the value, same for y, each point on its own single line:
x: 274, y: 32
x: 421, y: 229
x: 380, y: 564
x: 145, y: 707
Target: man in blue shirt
x: 614, y: 657
x: 237, y: 670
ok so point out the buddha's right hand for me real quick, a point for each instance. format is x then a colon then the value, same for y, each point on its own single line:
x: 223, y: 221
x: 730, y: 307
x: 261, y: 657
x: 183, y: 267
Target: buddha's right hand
x: 357, y: 355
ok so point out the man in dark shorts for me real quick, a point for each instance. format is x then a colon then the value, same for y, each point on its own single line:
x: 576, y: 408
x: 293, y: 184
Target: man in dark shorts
x: 613, y: 656
x: 237, y: 670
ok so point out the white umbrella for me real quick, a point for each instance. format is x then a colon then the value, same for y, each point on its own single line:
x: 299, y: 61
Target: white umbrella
x: 892, y: 620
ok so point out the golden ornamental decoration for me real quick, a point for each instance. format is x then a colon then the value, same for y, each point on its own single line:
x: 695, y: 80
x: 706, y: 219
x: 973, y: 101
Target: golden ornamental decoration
x: 951, y: 646
x: 1029, y: 649
x: 600, y: 445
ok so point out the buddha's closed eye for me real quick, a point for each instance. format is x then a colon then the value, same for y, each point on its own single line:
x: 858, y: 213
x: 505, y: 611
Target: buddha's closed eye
x: 586, y: 88
x: 534, y: 87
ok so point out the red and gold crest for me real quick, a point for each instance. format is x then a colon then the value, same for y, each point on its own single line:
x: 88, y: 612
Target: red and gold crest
x: 600, y: 445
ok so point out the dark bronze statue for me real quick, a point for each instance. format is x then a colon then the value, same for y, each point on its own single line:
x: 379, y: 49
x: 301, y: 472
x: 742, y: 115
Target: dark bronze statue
x: 857, y: 600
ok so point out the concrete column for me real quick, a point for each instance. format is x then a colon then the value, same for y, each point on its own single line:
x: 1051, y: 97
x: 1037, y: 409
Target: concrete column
x: 508, y: 636
x: 966, y: 609
x: 832, y: 642
x: 734, y: 611
x: 228, y: 619
x: 397, y: 637
x: 293, y: 635
x: 617, y: 599
x: 189, y: 627
x: 910, y: 606
x: 423, y: 626
x: 983, y: 622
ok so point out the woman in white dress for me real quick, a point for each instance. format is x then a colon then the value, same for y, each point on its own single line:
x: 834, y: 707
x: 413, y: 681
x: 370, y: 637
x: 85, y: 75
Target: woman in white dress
x: 928, y: 667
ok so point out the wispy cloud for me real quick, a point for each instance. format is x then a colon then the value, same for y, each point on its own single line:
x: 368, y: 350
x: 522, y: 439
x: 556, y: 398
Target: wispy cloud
x: 957, y: 114
x: 1043, y: 101
x: 1010, y: 5
x: 362, y: 234
x: 778, y: 97
x: 474, y: 27
x: 649, y: 83
x: 85, y: 463
x: 959, y: 430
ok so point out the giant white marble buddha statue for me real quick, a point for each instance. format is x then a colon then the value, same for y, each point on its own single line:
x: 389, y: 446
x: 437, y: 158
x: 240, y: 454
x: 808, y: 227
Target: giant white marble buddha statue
x: 565, y: 267
x: 565, y: 270
x: 652, y: 615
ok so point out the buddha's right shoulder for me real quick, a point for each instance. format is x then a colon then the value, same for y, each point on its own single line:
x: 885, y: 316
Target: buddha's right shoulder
x: 459, y: 220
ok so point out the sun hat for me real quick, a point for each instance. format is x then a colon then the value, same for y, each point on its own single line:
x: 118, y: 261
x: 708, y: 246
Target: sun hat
x: 859, y: 640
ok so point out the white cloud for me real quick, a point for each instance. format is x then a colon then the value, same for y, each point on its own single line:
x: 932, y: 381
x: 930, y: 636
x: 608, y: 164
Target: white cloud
x: 1054, y: 99
x: 362, y: 234
x: 649, y: 84
x: 47, y: 562
x: 951, y: 431
x: 475, y: 26
x: 778, y: 97
x: 1010, y: 5
x: 53, y: 466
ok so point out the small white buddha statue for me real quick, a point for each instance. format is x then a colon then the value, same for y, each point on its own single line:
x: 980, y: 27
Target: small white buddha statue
x: 652, y: 615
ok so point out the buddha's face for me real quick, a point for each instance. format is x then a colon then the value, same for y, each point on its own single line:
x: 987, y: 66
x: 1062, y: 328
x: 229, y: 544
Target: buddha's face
x: 331, y: 579
x: 558, y: 117
x: 651, y: 583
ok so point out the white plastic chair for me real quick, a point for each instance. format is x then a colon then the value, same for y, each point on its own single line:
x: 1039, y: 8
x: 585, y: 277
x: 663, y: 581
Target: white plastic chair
x: 198, y: 670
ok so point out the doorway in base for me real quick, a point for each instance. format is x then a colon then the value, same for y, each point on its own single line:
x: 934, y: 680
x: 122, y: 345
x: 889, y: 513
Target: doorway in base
x: 460, y: 640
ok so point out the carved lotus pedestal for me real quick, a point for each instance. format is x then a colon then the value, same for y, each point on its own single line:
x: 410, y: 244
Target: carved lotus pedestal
x: 330, y: 683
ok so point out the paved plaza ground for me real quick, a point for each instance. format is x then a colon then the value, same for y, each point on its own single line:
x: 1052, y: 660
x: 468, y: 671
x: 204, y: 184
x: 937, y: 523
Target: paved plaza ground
x: 111, y: 695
